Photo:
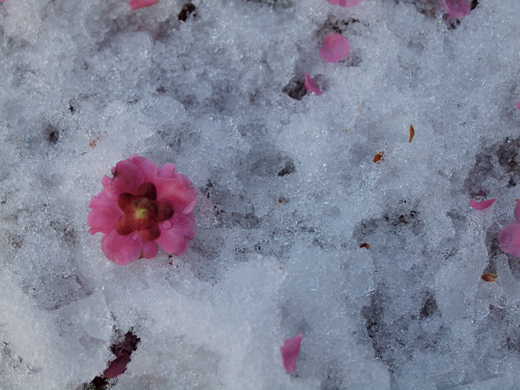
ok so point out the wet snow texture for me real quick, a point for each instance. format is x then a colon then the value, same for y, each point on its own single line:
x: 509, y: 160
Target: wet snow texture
x: 286, y: 196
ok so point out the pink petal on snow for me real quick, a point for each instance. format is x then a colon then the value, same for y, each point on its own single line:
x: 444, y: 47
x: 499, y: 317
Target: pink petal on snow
x: 176, y: 233
x: 166, y: 171
x: 149, y: 249
x: 457, y: 8
x: 136, y: 4
x: 148, y: 167
x: 117, y: 367
x: 481, y: 205
x: 104, y: 214
x: 335, y: 47
x: 311, y: 85
x: 122, y: 250
x: 344, y: 3
x: 127, y: 178
x: 290, y: 351
x: 509, y: 239
x: 175, y: 192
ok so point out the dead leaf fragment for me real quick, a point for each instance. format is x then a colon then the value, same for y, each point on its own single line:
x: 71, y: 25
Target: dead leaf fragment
x: 412, y: 133
x: 379, y: 157
x: 490, y: 278
x: 365, y: 245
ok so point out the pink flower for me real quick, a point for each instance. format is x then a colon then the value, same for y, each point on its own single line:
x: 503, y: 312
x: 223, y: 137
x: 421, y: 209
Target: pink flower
x: 136, y: 4
x: 311, y: 85
x: 142, y: 207
x: 290, y: 351
x: 344, y: 3
x: 335, y: 47
x: 481, y: 205
x: 509, y: 236
x: 456, y: 8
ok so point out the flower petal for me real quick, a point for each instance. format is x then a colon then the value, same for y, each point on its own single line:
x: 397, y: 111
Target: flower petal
x: 104, y: 213
x: 127, y: 178
x: 456, y: 8
x: 149, y: 168
x: 149, y: 249
x: 175, y: 192
x: 482, y: 205
x: 290, y: 351
x: 166, y: 171
x: 335, y: 47
x: 150, y: 234
x: 509, y: 239
x: 117, y: 366
x: 311, y: 85
x: 176, y: 233
x: 147, y: 190
x: 345, y: 3
x: 122, y: 250
x: 136, y: 4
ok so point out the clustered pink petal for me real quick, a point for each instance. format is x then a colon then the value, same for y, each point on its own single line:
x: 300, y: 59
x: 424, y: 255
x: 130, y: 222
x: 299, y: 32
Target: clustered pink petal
x: 482, y: 205
x: 290, y: 351
x: 456, y: 8
x: 311, y: 85
x: 141, y: 208
x: 509, y: 236
x: 344, y: 3
x: 335, y: 47
x: 136, y: 4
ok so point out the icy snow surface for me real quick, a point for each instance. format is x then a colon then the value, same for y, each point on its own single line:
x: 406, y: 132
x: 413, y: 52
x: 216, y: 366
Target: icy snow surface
x: 286, y: 195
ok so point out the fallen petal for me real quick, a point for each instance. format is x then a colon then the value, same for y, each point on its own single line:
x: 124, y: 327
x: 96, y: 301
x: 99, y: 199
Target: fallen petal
x: 311, y: 85
x: 457, y: 8
x: 176, y: 234
x: 136, y: 4
x: 122, y: 250
x: 509, y: 239
x: 335, y: 47
x: 118, y: 366
x: 482, y: 205
x: 290, y: 351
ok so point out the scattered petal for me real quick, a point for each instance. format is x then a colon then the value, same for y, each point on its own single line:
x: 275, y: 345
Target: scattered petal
x: 490, y: 278
x: 290, y: 351
x: 411, y: 131
x: 344, y: 3
x: 456, y: 8
x: 117, y: 367
x: 509, y: 239
x: 482, y: 205
x: 311, y: 85
x: 136, y: 4
x: 335, y: 47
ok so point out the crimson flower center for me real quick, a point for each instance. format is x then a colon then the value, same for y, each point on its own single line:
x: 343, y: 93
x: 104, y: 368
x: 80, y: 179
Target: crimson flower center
x: 142, y: 213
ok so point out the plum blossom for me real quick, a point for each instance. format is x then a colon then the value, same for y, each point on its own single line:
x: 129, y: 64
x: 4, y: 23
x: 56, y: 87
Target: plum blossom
x: 456, y: 8
x: 136, y: 4
x: 335, y: 47
x: 290, y: 350
x: 344, y: 3
x: 509, y: 236
x: 482, y: 205
x: 311, y: 85
x: 141, y: 208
